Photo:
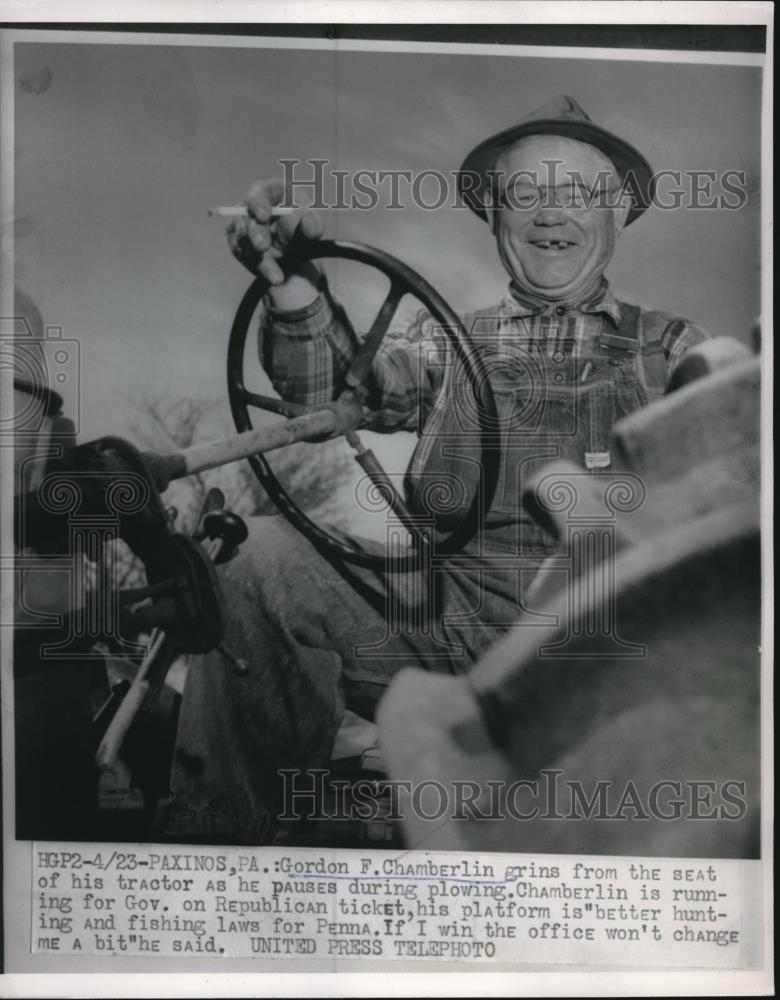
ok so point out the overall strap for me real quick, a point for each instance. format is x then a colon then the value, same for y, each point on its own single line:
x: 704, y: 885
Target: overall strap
x: 626, y: 337
x: 483, y: 322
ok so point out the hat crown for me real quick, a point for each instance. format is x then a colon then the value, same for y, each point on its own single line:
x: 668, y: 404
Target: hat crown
x: 563, y: 106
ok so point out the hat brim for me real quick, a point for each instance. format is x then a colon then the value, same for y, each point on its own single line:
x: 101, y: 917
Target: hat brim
x: 629, y: 162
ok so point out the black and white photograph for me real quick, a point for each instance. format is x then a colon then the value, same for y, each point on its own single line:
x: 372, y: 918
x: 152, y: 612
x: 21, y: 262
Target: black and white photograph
x: 386, y: 444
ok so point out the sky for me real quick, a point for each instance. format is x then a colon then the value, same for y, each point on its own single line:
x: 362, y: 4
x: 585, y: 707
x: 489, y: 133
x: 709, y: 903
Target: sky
x: 120, y: 149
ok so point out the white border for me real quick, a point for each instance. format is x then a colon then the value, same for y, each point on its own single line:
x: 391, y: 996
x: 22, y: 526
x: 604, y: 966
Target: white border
x: 608, y: 12
x: 395, y: 984
x: 398, y: 983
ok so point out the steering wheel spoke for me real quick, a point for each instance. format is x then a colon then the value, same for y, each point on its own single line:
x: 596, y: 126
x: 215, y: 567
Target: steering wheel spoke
x: 360, y: 367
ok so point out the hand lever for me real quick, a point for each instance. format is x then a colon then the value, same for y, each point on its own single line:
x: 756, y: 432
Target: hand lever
x: 225, y: 531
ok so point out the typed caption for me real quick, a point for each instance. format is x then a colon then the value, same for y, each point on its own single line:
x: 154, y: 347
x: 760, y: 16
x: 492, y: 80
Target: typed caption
x: 228, y: 903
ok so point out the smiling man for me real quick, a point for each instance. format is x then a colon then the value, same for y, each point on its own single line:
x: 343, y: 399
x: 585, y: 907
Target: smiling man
x: 548, y: 240
x: 565, y: 361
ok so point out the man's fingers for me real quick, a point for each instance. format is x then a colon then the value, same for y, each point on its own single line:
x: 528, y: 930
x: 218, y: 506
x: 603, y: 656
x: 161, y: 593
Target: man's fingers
x: 232, y: 236
x: 235, y: 234
x: 271, y: 270
x: 311, y: 225
x: 260, y: 240
x: 286, y: 226
x: 241, y: 246
x: 259, y: 235
x: 262, y: 196
x: 305, y: 222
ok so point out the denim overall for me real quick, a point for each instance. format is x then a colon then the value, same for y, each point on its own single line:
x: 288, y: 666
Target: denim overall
x: 549, y: 406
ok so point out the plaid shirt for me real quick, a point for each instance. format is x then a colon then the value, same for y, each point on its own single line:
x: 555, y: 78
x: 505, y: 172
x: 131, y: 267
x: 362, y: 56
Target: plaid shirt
x: 307, y: 352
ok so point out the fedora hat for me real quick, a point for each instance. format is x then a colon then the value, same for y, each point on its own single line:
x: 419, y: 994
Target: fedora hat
x: 561, y: 116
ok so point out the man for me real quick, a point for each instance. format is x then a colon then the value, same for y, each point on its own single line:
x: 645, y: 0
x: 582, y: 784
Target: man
x: 565, y: 360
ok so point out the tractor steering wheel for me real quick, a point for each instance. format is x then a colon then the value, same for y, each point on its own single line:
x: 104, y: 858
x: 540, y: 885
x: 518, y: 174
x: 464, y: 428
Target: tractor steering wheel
x: 403, y: 281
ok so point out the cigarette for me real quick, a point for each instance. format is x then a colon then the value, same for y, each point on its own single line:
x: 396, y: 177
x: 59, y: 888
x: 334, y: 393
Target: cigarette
x: 241, y: 211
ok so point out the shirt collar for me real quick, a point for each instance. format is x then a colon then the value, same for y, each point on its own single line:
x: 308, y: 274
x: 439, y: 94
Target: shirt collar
x: 516, y: 303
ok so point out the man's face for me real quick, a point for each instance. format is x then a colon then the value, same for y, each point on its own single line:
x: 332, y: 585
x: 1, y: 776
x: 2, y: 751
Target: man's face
x: 553, y: 239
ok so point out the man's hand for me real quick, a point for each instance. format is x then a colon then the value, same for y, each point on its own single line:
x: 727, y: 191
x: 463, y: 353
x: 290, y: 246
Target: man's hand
x: 260, y: 240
